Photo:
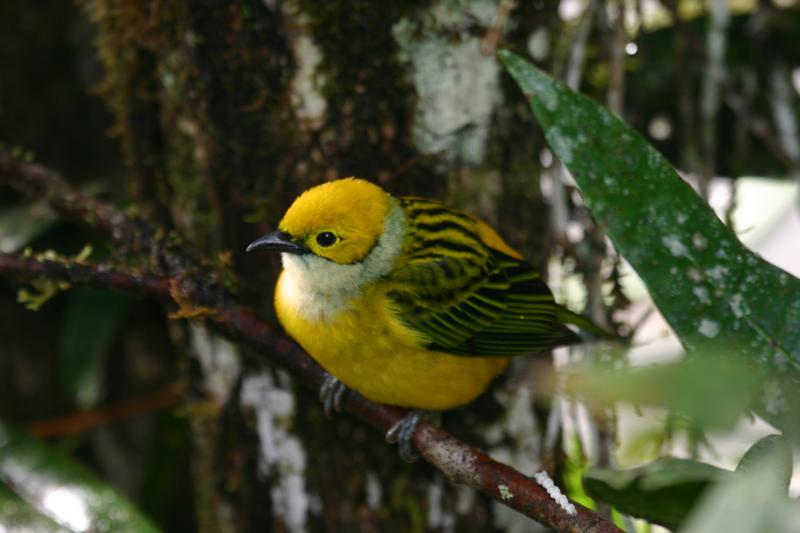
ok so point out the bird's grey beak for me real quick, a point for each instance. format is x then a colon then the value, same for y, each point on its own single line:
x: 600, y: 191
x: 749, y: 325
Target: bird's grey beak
x: 277, y: 241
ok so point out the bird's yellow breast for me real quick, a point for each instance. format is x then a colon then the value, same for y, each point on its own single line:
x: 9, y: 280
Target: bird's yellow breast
x: 368, y: 349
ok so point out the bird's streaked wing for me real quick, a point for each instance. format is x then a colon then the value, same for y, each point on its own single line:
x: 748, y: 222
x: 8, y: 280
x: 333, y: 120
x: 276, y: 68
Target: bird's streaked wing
x: 466, y: 298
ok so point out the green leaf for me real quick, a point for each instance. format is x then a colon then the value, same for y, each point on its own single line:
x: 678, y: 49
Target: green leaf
x: 662, y: 492
x: 575, y: 465
x: 775, y: 448
x: 18, y: 515
x: 710, y: 393
x: 61, y: 490
x: 751, y: 501
x: 668, y: 490
x: 91, y: 322
x: 710, y: 288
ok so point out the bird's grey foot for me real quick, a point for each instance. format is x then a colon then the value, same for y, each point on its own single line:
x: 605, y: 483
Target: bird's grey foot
x: 403, y: 432
x: 330, y: 394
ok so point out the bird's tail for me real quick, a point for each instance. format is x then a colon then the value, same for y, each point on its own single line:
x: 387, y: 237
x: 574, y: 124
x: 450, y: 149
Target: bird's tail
x: 587, y: 327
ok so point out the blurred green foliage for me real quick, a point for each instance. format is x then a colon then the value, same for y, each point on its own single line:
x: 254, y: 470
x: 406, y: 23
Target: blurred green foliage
x: 59, y: 491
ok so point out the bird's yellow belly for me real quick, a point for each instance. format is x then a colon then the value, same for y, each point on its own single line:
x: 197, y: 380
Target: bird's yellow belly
x: 370, y: 351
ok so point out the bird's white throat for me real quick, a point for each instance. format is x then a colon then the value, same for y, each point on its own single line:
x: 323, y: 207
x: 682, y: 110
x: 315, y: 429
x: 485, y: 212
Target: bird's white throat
x: 318, y: 289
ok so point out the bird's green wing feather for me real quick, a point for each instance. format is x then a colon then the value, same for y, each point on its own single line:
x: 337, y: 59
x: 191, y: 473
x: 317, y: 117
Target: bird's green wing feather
x: 466, y: 298
x: 510, y: 312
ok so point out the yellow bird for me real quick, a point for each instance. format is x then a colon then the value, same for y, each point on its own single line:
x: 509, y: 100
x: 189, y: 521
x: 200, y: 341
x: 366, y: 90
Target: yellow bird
x: 406, y: 301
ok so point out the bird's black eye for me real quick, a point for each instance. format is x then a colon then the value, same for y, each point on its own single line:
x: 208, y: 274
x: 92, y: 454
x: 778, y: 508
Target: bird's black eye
x: 326, y: 238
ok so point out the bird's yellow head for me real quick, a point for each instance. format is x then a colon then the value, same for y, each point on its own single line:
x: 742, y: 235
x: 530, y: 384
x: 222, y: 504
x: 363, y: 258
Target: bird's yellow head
x: 340, y: 221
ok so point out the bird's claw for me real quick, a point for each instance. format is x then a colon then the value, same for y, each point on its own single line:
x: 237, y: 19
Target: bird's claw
x: 330, y: 394
x: 402, y: 432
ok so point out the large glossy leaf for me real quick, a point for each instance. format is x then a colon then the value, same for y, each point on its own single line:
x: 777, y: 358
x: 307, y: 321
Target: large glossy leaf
x: 710, y: 288
x: 60, y: 490
x: 92, y: 319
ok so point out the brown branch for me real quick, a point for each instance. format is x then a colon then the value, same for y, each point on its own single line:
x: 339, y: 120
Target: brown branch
x: 460, y: 462
x: 498, y: 27
x: 204, y: 301
x: 132, y: 235
x: 85, y: 420
x: 615, y: 97
x: 38, y: 181
x: 757, y: 125
x: 682, y: 42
